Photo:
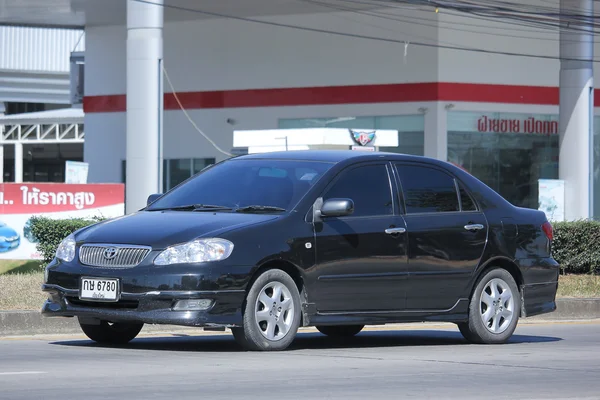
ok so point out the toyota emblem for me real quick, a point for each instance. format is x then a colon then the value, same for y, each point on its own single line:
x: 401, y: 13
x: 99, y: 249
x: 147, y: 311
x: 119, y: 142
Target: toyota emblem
x: 110, y: 253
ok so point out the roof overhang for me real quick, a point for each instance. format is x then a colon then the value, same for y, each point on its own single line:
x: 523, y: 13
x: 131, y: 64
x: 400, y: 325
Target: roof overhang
x: 74, y: 115
x: 81, y: 13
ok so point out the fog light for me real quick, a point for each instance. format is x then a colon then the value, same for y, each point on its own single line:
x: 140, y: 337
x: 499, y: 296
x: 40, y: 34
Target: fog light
x: 193, y: 305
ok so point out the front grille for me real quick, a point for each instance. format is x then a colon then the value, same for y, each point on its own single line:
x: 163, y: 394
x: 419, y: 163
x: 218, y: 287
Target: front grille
x: 128, y: 304
x: 124, y: 256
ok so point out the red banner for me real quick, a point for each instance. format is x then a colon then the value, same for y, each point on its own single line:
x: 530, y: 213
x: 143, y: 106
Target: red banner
x: 41, y: 198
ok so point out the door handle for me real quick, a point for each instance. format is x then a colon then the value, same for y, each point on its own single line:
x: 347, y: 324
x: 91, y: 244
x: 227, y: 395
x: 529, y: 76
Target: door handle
x: 391, y: 231
x: 473, y: 227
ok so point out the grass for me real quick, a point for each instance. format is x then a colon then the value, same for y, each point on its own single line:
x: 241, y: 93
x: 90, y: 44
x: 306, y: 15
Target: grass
x: 22, y: 291
x: 579, y: 286
x: 20, y: 283
x: 19, y: 266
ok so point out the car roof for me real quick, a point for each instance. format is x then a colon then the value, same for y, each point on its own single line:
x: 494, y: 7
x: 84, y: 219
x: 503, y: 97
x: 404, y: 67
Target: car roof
x: 492, y: 198
x: 335, y: 156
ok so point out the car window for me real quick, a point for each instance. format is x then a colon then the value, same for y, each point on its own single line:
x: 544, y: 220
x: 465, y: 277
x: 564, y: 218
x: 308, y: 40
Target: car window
x: 466, y: 201
x: 368, y: 187
x: 242, y: 182
x: 427, y: 190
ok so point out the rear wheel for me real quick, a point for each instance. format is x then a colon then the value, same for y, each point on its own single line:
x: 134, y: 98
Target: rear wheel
x: 494, y: 309
x: 340, y: 330
x: 112, y: 333
x: 271, y: 313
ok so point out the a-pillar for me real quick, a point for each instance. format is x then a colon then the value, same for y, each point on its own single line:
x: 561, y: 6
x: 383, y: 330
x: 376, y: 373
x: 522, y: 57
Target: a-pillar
x: 18, y: 162
x: 144, y: 102
x: 576, y: 108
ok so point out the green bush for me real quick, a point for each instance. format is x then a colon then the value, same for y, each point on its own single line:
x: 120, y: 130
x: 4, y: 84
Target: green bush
x: 50, y: 232
x: 576, y: 246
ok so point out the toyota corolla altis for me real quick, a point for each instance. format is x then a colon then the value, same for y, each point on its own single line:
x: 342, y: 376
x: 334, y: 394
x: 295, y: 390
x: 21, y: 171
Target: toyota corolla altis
x: 264, y: 244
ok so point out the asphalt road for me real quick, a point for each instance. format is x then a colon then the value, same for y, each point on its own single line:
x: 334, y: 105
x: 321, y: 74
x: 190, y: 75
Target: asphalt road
x: 543, y: 361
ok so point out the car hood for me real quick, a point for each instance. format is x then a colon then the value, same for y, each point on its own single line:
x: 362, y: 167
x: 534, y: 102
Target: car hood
x: 161, y: 229
x: 7, y: 231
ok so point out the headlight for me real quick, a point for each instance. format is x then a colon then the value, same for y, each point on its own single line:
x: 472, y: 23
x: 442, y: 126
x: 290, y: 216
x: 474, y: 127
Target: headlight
x: 196, y: 251
x: 66, y: 249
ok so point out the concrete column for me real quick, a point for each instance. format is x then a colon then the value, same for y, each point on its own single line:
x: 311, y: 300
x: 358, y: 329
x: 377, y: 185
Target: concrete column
x: 18, y: 162
x: 436, y: 131
x: 144, y: 102
x: 1, y: 162
x: 576, y: 111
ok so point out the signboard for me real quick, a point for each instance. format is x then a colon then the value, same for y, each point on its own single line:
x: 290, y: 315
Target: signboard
x: 500, y: 122
x: 551, y: 197
x: 76, y: 172
x: 315, y: 138
x: 21, y: 201
x: 363, y: 148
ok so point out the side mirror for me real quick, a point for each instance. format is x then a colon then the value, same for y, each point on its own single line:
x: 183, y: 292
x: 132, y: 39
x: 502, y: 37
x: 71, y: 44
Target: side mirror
x: 152, y: 198
x: 337, y: 208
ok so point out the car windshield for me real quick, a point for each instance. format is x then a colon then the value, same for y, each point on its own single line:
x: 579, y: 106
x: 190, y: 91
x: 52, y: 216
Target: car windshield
x: 245, y: 185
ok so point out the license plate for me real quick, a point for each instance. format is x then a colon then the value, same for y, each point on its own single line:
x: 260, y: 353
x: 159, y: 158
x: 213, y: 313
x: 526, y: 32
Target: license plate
x: 99, y: 289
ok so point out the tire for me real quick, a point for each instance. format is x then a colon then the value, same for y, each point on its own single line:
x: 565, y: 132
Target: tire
x: 117, y: 333
x: 340, y: 330
x: 274, y: 328
x: 500, y: 324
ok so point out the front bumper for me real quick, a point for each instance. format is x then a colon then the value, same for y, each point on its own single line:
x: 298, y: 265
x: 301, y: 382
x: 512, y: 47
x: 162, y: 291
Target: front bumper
x: 154, y: 307
x: 149, y: 293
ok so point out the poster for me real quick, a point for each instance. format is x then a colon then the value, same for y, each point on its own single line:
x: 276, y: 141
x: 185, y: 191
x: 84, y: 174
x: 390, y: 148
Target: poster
x: 76, y: 172
x: 20, y: 201
x: 551, y: 198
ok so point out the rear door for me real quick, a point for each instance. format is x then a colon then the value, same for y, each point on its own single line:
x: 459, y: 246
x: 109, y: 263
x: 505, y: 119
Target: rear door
x: 446, y: 235
x: 361, y: 258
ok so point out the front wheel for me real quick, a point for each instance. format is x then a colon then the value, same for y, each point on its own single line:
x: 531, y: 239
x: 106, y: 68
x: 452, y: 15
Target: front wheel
x: 271, y: 313
x: 112, y: 333
x: 494, y: 309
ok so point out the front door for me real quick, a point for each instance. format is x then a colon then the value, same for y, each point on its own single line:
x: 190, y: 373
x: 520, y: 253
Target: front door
x: 446, y: 237
x: 360, y: 262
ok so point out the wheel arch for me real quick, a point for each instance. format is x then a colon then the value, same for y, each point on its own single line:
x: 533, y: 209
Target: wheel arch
x: 293, y: 271
x: 286, y: 266
x: 503, y: 263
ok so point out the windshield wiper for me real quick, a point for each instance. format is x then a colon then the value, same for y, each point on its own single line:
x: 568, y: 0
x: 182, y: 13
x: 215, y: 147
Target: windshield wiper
x: 193, y: 207
x: 260, y: 208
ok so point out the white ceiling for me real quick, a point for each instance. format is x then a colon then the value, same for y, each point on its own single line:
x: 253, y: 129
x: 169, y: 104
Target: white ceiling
x: 79, y: 13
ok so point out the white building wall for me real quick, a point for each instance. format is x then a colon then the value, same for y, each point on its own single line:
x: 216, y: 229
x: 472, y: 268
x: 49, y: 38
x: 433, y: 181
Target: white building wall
x: 36, y: 49
x: 228, y: 54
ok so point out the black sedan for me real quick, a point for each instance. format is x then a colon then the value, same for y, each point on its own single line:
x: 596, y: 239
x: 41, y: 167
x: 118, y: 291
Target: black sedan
x: 264, y: 244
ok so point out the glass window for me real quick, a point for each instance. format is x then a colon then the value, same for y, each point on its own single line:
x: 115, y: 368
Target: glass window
x: 238, y: 183
x: 179, y: 171
x: 410, y: 128
x: 427, y: 190
x: 508, y: 152
x: 200, y: 163
x: 368, y: 187
x: 466, y: 201
x: 176, y: 171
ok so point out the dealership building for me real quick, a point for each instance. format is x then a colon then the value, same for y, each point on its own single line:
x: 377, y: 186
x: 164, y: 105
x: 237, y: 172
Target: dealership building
x: 509, y: 101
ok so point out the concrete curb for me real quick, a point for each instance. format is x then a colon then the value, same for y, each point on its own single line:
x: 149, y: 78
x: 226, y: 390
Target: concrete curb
x: 26, y: 323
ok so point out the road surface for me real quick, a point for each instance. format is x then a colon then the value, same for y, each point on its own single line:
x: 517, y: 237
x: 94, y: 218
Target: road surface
x: 543, y: 361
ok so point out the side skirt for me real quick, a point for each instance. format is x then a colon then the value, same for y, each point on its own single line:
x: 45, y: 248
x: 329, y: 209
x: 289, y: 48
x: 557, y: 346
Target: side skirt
x: 457, y: 313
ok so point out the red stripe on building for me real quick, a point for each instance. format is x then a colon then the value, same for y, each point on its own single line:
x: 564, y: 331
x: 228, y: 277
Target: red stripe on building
x: 357, y: 94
